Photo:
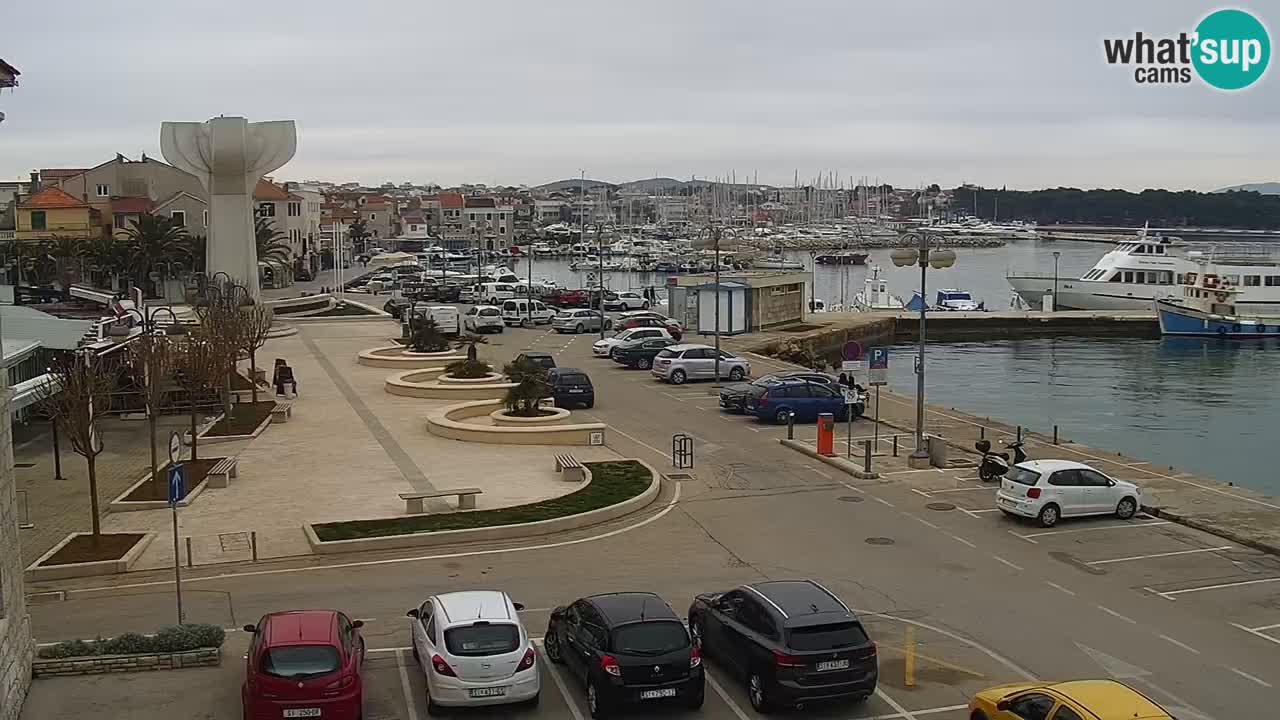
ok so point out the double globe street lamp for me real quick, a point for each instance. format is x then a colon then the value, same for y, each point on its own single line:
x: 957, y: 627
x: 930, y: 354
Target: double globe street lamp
x: 711, y: 237
x: 925, y: 257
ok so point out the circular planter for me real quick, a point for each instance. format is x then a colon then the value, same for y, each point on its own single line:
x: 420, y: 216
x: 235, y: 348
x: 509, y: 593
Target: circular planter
x: 502, y: 419
x: 396, y: 356
x: 441, y: 354
x: 489, y: 379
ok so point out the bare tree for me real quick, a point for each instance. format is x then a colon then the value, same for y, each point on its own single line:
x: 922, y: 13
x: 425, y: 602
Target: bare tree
x: 254, y: 330
x: 76, y: 396
x: 197, y: 365
x: 152, y: 355
x: 221, y: 326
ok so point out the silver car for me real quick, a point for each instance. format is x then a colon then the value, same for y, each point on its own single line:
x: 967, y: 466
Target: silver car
x: 679, y: 363
x: 580, y: 321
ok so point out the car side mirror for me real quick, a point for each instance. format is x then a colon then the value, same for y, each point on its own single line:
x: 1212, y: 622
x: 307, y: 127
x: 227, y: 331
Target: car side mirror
x: 1003, y: 705
x: 250, y: 628
x: 518, y: 606
x: 1111, y: 482
x: 357, y: 623
x: 412, y: 613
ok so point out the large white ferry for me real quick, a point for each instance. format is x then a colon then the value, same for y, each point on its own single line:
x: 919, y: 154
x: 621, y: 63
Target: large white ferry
x: 1139, y: 270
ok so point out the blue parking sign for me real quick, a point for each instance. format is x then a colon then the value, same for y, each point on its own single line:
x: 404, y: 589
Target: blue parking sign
x: 879, y: 359
x: 177, y: 483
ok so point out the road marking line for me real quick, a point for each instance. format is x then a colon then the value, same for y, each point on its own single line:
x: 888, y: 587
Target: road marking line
x: 1169, y: 593
x: 1247, y: 676
x: 823, y: 474
x: 1153, y: 591
x: 555, y: 677
x: 902, y: 712
x: 969, y: 489
x: 1252, y: 631
x: 1109, y: 611
x: 930, y: 711
x: 715, y: 685
x: 904, y: 472
x: 958, y: 638
x: 1267, y: 627
x: 1024, y: 537
x: 1182, y: 645
x: 882, y: 501
x: 635, y: 439
x: 1056, y: 586
x: 1095, y: 529
x: 675, y: 499
x: 983, y: 510
x: 920, y: 492
x: 389, y: 649
x: 1006, y: 562
x: 922, y: 520
x: 957, y: 538
x: 410, y: 704
x: 1158, y: 555
x: 854, y: 488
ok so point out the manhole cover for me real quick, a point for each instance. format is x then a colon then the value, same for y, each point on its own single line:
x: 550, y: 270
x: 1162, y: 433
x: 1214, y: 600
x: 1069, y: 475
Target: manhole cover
x: 940, y: 506
x: 879, y: 541
x: 679, y: 477
x: 850, y: 498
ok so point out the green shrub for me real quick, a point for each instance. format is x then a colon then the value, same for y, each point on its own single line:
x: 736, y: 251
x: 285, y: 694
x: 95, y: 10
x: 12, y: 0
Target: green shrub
x: 531, y: 386
x: 425, y: 336
x: 469, y: 369
x: 173, y: 638
x: 125, y: 644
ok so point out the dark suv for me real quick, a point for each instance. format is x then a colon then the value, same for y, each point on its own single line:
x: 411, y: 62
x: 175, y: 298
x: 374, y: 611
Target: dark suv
x: 543, y: 360
x: 571, y: 386
x: 628, y: 648
x: 792, y: 641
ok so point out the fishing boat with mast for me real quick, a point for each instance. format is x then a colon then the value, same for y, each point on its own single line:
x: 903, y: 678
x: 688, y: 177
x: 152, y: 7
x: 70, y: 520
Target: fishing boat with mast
x: 875, y: 294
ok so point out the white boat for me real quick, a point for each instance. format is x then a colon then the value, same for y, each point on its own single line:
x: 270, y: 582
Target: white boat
x: 1136, y: 271
x: 543, y: 249
x: 777, y: 262
x: 1206, y: 307
x: 875, y: 294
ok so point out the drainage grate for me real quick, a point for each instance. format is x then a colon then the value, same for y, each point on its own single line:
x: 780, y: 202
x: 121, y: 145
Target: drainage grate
x: 679, y: 477
x: 940, y: 506
x: 234, y: 542
x: 879, y: 541
x: 40, y: 598
x: 24, y: 465
x: 850, y: 498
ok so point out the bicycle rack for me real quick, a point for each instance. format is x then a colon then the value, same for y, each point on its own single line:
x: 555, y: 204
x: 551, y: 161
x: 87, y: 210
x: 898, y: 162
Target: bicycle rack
x: 682, y: 451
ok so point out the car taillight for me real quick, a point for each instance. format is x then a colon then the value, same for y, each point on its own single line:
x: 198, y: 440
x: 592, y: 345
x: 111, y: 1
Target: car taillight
x: 695, y: 657
x: 526, y: 662
x: 1033, y: 493
x: 339, y: 685
x: 610, y: 665
x: 783, y: 660
x: 764, y: 399
x: 441, y: 667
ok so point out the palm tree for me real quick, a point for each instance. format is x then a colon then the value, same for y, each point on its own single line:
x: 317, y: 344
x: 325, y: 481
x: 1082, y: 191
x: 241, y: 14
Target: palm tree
x: 105, y: 256
x: 357, y: 233
x: 67, y: 252
x: 153, y: 241
x: 272, y: 244
x: 195, y: 252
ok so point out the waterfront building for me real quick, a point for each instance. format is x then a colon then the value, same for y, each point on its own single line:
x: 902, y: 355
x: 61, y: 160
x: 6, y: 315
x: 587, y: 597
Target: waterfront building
x: 120, y: 189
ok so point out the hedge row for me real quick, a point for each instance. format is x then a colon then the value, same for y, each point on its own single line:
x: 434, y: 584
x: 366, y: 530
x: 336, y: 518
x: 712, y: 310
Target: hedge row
x: 174, y: 638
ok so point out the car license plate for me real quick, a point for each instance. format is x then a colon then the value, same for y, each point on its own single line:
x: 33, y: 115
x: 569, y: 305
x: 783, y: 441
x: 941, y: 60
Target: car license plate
x: 1007, y: 501
x: 826, y: 665
x: 655, y: 694
x: 488, y: 692
x: 575, y: 390
x: 302, y: 712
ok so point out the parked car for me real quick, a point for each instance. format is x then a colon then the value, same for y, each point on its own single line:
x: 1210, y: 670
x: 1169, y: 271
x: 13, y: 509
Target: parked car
x: 580, y: 321
x: 625, y: 301
x: 473, y: 650
x: 495, y: 292
x: 446, y: 316
x: 649, y: 321
x: 628, y: 649
x: 776, y: 402
x: 304, y: 663
x: 605, y: 347
x: 571, y: 386
x: 1049, y: 490
x: 640, y: 353
x: 679, y: 363
x: 483, y: 318
x: 566, y: 298
x: 733, y: 396
x: 519, y: 312
x: 791, y: 641
x: 395, y: 306
x: 670, y: 321
x: 1065, y: 700
x: 544, y: 360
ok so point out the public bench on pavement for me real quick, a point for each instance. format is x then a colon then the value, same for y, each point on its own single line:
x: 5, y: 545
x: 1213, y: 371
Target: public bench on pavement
x: 572, y: 469
x: 415, y: 503
x: 281, y: 412
x: 219, y: 476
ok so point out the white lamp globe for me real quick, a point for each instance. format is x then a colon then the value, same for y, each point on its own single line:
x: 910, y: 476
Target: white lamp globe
x: 904, y: 256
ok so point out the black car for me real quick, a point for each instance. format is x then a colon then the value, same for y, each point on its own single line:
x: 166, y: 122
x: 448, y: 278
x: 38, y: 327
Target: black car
x: 640, y: 353
x: 626, y: 648
x: 733, y: 397
x: 791, y: 641
x: 543, y: 360
x: 571, y: 386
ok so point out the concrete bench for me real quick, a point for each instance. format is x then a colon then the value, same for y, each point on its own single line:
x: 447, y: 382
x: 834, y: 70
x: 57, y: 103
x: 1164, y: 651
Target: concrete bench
x: 572, y: 469
x: 415, y: 503
x: 219, y: 476
x: 281, y: 412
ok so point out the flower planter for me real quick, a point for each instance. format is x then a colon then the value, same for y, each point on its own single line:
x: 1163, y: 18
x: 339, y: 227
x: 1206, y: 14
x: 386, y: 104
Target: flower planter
x: 396, y: 356
x: 102, y: 664
x: 489, y: 379
x: 38, y: 571
x: 502, y: 418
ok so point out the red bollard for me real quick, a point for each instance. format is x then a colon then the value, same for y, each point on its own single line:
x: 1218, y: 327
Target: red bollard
x: 826, y: 434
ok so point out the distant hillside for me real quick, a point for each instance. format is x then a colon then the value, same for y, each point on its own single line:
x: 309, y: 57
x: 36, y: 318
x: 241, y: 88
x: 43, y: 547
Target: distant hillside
x: 574, y: 184
x: 651, y: 185
x: 1266, y: 188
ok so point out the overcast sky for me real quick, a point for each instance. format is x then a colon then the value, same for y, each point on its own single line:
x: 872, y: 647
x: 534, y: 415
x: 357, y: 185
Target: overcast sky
x: 1000, y: 93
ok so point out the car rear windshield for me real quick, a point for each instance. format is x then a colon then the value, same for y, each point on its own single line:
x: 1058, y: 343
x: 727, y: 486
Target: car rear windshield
x: 299, y: 661
x: 667, y: 352
x: 573, y: 379
x: 650, y: 638
x: 480, y: 640
x: 1023, y: 476
x: 828, y: 637
x: 489, y: 312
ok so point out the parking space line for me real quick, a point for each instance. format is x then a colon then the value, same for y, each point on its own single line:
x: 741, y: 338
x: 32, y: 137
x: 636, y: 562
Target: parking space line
x: 1182, y: 645
x: 816, y: 471
x: 1158, y: 555
x: 410, y: 704
x: 1168, y: 594
x: 555, y: 677
x: 917, y: 713
x: 1056, y: 586
x: 1006, y: 562
x: 1113, y: 613
x: 1267, y: 627
x: 902, y: 712
x: 1093, y: 529
x: 974, y: 513
x: 959, y: 539
x: 1254, y: 631
x: 715, y: 685
x: 919, y: 519
x: 920, y: 492
x: 968, y: 489
x: 882, y: 501
x: 1247, y: 676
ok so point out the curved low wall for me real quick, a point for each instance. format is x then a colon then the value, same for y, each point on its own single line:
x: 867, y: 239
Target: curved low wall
x: 395, y: 356
x: 502, y: 419
x: 489, y: 379
x: 444, y: 422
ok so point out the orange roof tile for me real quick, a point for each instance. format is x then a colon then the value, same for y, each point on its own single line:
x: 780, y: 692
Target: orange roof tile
x: 131, y: 205
x: 269, y: 191
x: 52, y: 198
x: 451, y: 200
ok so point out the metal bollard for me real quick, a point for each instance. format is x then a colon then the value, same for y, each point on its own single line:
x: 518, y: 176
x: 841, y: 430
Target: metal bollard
x: 1055, y: 434
x: 189, y: 552
x: 895, y: 446
x: 791, y: 426
x: 982, y: 432
x: 866, y: 458
x: 1019, y: 433
x: 253, y: 544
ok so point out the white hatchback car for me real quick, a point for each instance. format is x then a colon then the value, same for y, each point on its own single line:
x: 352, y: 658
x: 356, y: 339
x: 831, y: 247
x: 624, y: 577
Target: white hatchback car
x: 604, y: 348
x: 679, y: 363
x: 626, y: 301
x: 1051, y: 489
x: 473, y: 650
x: 483, y: 318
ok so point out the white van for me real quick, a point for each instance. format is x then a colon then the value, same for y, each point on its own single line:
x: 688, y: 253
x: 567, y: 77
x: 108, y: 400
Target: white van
x: 446, y: 317
x: 517, y: 312
x: 495, y: 292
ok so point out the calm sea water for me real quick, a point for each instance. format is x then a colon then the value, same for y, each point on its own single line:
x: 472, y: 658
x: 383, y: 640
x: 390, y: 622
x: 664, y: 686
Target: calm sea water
x: 1207, y: 406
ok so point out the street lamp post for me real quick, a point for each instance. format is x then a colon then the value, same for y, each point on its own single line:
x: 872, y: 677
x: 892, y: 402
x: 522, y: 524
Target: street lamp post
x: 813, y: 280
x: 600, y: 260
x: 939, y: 259
x: 1056, y: 254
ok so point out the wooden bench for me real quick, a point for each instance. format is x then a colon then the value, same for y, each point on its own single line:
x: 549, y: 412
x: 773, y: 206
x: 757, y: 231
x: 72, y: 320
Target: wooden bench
x: 219, y: 476
x: 281, y: 412
x: 569, y: 465
x: 415, y: 503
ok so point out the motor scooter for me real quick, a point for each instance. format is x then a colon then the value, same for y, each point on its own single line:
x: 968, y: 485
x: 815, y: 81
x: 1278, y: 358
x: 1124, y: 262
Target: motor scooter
x: 993, y: 466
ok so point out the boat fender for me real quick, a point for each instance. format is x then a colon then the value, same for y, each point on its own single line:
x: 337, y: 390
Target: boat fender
x: 1222, y: 330
x: 1235, y: 328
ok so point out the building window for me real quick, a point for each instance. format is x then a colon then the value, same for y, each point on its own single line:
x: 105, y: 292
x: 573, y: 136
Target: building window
x: 266, y: 209
x: 295, y: 209
x: 120, y: 221
x: 1273, y: 281
x: 179, y: 217
x: 502, y: 229
x: 488, y: 216
x: 39, y: 221
x: 1252, y: 280
x: 104, y: 190
x: 502, y: 216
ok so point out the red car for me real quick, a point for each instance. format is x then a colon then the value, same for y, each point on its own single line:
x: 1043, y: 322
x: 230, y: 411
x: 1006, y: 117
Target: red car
x: 304, y: 664
x: 650, y: 321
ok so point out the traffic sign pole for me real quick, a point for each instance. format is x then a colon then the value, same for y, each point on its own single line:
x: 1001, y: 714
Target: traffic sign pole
x: 177, y: 478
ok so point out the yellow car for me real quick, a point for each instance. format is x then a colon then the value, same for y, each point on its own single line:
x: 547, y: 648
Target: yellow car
x: 1074, y: 700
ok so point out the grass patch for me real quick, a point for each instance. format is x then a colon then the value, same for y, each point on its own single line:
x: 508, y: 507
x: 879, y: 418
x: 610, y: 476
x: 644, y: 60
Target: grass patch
x: 195, y: 471
x: 87, y: 548
x: 295, y: 309
x: 347, y: 310
x: 611, y: 483
x: 248, y: 416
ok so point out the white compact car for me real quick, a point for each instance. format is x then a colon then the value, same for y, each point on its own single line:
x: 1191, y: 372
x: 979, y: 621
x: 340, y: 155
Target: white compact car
x: 1048, y: 490
x: 519, y: 312
x: 483, y: 318
x: 626, y: 301
x: 604, y: 348
x: 473, y: 650
x: 680, y: 363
